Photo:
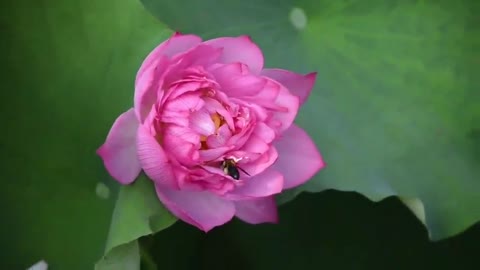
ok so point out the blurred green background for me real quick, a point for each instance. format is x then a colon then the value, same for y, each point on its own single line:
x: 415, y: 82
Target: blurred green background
x: 396, y: 113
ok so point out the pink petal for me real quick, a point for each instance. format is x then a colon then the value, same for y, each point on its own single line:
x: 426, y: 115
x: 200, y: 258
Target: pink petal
x: 177, y: 43
x: 298, y: 158
x: 186, y: 102
x: 267, y: 96
x: 245, y: 156
x: 285, y: 110
x: 119, y: 152
x: 239, y: 139
x: 267, y: 183
x: 202, y: 123
x: 239, y: 49
x: 221, y: 138
x: 265, y: 132
x: 262, y: 210
x: 236, y: 82
x: 201, y: 55
x: 222, y: 71
x: 261, y: 163
x: 213, y: 154
x: 213, y: 106
x: 146, y: 82
x: 147, y: 86
x: 247, y: 85
x: 153, y: 159
x: 255, y: 144
x: 184, y: 134
x: 181, y: 143
x: 169, y: 117
x: 297, y: 84
x: 183, y: 86
x: 201, y: 209
x: 260, y: 112
x: 177, y: 111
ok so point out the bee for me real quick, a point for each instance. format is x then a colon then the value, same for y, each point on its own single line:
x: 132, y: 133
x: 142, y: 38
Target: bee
x: 230, y: 168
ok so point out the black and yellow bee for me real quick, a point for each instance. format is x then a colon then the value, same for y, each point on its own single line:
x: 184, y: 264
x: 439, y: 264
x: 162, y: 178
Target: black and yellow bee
x: 230, y: 168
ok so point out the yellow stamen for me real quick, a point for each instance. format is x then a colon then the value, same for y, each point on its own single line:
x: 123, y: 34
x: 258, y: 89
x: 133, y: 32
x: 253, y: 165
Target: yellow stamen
x: 217, y: 120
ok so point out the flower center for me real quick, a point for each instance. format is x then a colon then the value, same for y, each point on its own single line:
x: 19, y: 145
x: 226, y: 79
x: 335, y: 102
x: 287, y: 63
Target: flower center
x: 218, y: 121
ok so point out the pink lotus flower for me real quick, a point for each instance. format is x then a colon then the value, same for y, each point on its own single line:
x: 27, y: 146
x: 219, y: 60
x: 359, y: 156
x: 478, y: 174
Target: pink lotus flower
x: 203, y: 112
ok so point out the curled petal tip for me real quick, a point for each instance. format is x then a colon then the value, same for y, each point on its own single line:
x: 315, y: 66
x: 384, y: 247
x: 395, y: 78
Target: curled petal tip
x: 205, y: 230
x: 99, y: 151
x: 312, y: 75
x: 247, y: 37
x: 274, y: 220
x: 323, y: 164
x: 298, y: 84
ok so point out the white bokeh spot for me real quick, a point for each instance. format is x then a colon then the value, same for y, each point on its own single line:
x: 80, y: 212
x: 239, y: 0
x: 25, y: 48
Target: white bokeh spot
x: 41, y: 265
x: 298, y: 18
x: 102, y: 190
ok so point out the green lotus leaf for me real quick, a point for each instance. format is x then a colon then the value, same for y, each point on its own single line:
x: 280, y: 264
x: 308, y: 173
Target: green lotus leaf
x: 395, y: 110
